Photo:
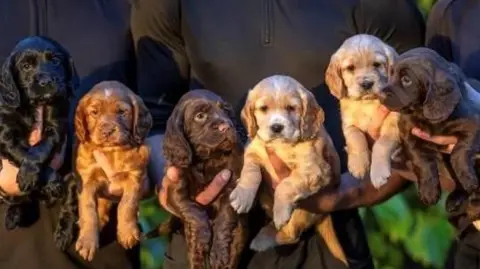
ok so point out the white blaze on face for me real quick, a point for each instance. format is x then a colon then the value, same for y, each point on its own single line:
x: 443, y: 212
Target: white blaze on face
x: 108, y: 92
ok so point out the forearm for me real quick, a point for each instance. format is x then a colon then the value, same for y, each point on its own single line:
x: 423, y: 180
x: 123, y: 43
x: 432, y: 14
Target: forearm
x: 353, y: 193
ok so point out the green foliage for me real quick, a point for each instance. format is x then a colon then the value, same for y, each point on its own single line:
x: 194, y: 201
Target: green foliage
x: 404, y: 229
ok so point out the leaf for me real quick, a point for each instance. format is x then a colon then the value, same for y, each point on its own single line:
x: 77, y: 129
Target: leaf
x: 394, y: 218
x: 430, y: 240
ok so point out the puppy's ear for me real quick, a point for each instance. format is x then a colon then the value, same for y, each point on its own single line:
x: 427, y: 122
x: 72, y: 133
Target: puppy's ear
x: 391, y: 55
x: 443, y: 94
x: 312, y: 115
x: 80, y: 122
x: 74, y: 80
x: 142, y: 119
x: 176, y: 147
x: 9, y: 93
x: 333, y: 79
x: 247, y: 116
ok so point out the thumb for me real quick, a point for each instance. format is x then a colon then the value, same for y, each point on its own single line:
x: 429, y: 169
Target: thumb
x: 214, y: 188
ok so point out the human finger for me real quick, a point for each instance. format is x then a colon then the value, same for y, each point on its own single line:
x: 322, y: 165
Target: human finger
x: 439, y: 140
x: 214, y: 188
x: 281, y: 169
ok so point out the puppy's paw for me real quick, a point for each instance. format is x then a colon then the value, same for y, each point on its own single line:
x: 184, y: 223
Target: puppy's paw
x: 86, y: 246
x: 379, y: 174
x: 473, y: 208
x: 265, y: 239
x: 27, y: 177
x: 128, y: 236
x: 241, y: 199
x: 429, y: 192
x: 456, y: 202
x: 65, y: 231
x: 281, y: 213
x: 358, y: 164
x: 13, y: 217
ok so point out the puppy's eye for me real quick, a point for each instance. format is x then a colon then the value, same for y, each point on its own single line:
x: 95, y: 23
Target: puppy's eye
x: 122, y: 111
x: 26, y: 66
x: 200, y: 117
x: 290, y: 108
x: 94, y: 112
x: 350, y: 68
x: 406, y: 81
x: 56, y: 60
x: 377, y: 64
x: 263, y: 108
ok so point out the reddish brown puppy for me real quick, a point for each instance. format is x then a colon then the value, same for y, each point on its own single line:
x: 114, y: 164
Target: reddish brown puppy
x: 112, y: 120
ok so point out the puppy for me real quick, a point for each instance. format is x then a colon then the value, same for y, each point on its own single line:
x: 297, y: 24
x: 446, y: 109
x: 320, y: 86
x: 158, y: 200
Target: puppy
x: 112, y: 120
x: 39, y: 73
x: 357, y: 72
x: 431, y: 94
x: 201, y: 140
x: 280, y: 113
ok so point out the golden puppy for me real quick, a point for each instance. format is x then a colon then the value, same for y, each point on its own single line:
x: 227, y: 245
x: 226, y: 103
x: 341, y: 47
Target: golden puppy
x: 113, y: 120
x: 357, y: 73
x: 280, y: 113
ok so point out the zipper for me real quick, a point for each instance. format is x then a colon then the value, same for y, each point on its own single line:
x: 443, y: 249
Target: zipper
x: 42, y: 17
x: 267, y: 38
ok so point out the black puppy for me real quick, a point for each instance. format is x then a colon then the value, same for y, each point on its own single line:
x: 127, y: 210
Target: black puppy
x: 430, y: 93
x: 38, y: 73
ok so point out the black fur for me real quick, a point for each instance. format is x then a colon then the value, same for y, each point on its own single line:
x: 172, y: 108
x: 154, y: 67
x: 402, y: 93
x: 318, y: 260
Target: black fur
x: 38, y: 72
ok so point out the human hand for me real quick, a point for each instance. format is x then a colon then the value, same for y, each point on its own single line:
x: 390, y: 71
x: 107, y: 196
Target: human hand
x: 8, y: 174
x: 447, y: 141
x: 173, y: 175
x: 377, y: 122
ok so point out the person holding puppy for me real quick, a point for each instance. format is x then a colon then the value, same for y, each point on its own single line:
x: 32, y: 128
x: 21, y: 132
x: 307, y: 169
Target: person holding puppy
x: 228, y: 48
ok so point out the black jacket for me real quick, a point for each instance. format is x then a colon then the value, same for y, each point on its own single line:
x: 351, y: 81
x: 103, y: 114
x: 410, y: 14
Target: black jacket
x: 96, y: 33
x: 229, y: 46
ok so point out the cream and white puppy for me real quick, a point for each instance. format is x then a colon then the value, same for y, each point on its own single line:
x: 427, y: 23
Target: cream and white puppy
x: 357, y: 72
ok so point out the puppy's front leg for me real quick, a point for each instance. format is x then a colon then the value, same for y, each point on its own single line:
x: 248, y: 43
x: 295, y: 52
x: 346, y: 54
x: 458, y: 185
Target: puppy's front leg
x: 198, y: 232
x: 463, y: 159
x: 225, y: 253
x: 307, y: 179
x: 128, y: 233
x: 87, y: 242
x: 382, y: 152
x: 243, y: 196
x: 424, y: 161
x: 357, y: 150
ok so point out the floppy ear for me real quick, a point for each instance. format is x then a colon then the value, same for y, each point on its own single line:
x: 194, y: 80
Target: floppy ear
x: 333, y: 79
x: 80, y: 122
x: 392, y: 55
x: 176, y: 148
x: 142, y: 119
x: 9, y: 93
x: 248, y: 117
x: 443, y: 94
x: 73, y: 77
x: 312, y: 115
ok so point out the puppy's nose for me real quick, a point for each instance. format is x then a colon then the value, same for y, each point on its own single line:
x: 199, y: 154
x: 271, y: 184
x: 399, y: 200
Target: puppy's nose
x: 44, y: 80
x: 276, y: 128
x: 223, y: 127
x: 367, y: 84
x: 106, y: 132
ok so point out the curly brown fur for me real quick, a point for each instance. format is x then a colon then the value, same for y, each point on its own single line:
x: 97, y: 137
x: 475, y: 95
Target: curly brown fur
x: 112, y: 120
x: 432, y: 94
x: 200, y: 139
x: 38, y: 73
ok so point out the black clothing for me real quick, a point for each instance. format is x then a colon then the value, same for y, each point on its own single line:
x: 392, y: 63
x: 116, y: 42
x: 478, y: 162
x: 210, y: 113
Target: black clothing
x: 229, y: 46
x: 96, y: 34
x: 452, y: 31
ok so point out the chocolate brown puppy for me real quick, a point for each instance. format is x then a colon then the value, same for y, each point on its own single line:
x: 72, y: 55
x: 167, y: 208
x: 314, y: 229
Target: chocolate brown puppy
x: 432, y: 94
x: 201, y: 141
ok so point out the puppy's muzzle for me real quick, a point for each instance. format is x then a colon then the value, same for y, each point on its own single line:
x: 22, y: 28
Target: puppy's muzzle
x: 277, y: 128
x: 367, y: 84
x: 44, y: 80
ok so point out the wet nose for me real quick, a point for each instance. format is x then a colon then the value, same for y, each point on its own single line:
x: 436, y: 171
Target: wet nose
x: 276, y: 128
x: 367, y: 84
x: 44, y: 80
x: 223, y: 127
